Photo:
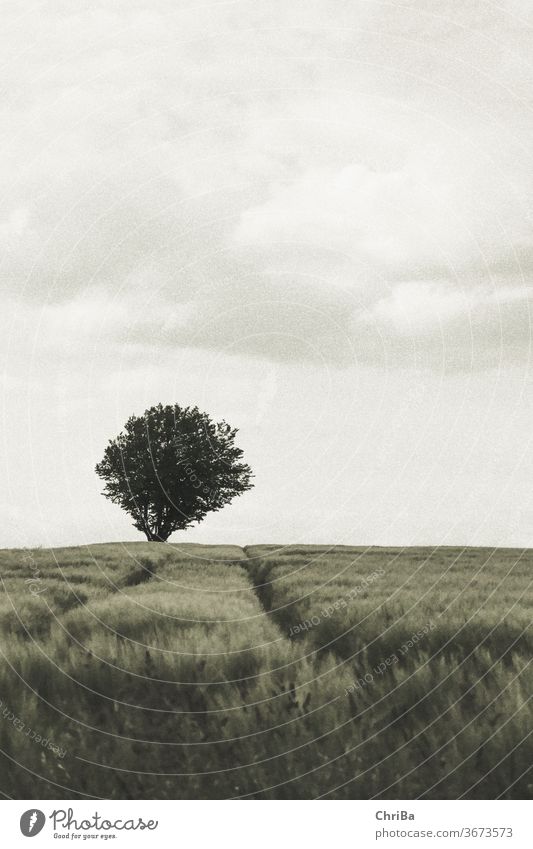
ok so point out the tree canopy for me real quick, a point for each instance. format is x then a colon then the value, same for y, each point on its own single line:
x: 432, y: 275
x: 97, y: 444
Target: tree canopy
x: 172, y: 466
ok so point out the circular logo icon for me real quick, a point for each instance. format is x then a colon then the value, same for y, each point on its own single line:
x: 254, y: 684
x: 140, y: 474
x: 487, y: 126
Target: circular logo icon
x: 32, y: 822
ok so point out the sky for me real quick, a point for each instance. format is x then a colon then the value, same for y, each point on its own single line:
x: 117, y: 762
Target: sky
x: 312, y: 219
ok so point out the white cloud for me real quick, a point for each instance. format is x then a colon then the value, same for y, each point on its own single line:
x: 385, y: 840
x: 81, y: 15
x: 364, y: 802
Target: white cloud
x: 445, y: 206
x: 417, y: 308
x: 241, y: 150
x: 13, y: 228
x: 420, y: 307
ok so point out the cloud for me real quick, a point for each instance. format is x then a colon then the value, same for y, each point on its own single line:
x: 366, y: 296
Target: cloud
x: 418, y: 308
x: 445, y: 206
x: 254, y: 178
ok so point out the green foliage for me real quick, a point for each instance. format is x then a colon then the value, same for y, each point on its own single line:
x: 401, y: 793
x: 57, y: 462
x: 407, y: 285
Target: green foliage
x: 172, y: 466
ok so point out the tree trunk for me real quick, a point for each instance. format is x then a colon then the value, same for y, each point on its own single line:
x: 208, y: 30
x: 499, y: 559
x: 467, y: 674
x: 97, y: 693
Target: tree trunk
x: 153, y: 536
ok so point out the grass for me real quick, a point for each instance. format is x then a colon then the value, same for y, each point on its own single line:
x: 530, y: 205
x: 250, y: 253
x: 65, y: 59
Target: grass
x: 158, y: 671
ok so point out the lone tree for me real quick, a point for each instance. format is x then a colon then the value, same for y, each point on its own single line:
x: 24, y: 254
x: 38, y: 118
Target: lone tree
x: 172, y: 466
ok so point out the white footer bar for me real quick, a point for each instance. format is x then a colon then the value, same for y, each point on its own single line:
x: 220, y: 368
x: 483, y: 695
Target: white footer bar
x: 269, y: 824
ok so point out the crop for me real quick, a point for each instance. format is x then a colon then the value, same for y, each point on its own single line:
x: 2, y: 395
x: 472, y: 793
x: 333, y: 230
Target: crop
x: 146, y: 670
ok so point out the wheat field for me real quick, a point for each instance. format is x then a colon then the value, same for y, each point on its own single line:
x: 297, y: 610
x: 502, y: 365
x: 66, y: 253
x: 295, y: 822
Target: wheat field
x: 144, y: 670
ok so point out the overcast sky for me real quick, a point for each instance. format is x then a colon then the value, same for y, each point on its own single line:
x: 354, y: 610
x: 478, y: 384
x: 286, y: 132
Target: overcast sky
x: 312, y: 218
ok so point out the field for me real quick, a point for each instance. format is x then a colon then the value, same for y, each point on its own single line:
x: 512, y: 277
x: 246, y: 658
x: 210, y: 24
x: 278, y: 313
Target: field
x: 143, y: 670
